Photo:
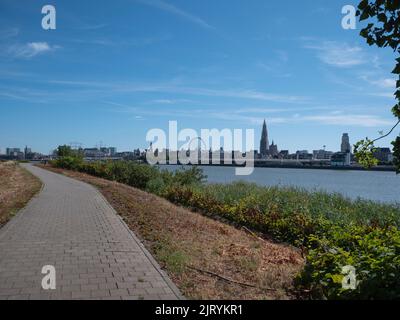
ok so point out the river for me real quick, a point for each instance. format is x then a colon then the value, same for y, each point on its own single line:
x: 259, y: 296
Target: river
x: 371, y: 185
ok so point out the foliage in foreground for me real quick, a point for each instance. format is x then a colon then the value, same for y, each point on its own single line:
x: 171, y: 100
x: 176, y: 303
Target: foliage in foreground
x: 383, y: 18
x: 332, y: 230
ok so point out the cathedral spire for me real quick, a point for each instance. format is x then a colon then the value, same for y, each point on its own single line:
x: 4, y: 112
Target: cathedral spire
x: 264, y: 143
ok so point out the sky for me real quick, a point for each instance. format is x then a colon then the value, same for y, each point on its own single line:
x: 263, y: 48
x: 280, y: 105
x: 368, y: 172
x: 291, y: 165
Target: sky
x: 113, y: 70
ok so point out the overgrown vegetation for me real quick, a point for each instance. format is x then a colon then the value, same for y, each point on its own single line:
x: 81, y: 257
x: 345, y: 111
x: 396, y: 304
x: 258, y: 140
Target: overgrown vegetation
x: 136, y: 175
x: 332, y: 231
x: 17, y: 187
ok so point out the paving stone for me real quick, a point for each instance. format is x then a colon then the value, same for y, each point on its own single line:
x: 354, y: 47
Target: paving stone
x: 70, y: 226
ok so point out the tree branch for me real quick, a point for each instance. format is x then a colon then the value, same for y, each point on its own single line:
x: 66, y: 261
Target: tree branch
x: 386, y: 135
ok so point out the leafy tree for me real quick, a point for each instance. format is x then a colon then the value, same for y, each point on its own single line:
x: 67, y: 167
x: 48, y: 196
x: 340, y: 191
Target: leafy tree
x: 64, y: 151
x: 383, y: 30
x: 67, y: 151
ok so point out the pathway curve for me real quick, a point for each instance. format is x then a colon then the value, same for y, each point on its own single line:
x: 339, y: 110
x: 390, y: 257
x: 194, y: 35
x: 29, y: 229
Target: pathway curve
x: 70, y: 226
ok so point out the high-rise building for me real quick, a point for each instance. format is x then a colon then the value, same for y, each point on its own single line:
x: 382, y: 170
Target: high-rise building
x: 345, y: 147
x: 264, y: 143
x: 27, y: 152
x: 113, y: 151
x: 12, y: 151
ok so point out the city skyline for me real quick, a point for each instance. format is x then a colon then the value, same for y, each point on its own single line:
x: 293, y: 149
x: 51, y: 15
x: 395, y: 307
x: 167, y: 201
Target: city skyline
x: 264, y: 149
x: 100, y: 76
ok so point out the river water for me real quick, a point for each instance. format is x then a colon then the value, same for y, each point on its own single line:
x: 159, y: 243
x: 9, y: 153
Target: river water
x: 371, y: 185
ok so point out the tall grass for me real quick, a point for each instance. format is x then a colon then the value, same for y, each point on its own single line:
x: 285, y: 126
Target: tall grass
x: 287, y: 200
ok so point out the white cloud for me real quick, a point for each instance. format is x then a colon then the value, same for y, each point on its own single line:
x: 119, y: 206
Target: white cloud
x: 322, y: 119
x: 384, y: 83
x: 30, y: 49
x: 348, y: 120
x: 339, y: 54
x: 162, y: 5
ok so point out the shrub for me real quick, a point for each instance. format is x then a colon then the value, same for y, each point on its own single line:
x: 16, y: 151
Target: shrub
x: 134, y: 174
x: 192, y: 176
x: 70, y: 163
x: 156, y: 186
x: 373, y: 252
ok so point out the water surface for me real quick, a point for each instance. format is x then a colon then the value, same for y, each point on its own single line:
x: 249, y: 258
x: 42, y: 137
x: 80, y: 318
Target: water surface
x: 371, y: 185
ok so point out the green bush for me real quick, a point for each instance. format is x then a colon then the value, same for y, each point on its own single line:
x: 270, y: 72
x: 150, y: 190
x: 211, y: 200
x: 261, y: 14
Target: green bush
x: 69, y: 162
x: 137, y: 175
x: 373, y: 252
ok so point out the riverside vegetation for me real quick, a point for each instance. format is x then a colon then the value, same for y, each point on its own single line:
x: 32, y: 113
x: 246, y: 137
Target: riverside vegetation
x: 332, y: 231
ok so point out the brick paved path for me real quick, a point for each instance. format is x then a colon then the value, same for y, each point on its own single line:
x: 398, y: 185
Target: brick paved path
x: 71, y: 226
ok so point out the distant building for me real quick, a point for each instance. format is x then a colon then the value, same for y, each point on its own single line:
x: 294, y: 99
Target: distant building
x: 27, y: 152
x: 384, y: 155
x: 12, y: 151
x: 284, y: 154
x: 273, y: 150
x: 264, y: 143
x: 15, y: 153
x: 93, y: 153
x: 322, y: 155
x: 341, y: 159
x: 113, y: 151
x: 345, y: 146
x: 303, y: 155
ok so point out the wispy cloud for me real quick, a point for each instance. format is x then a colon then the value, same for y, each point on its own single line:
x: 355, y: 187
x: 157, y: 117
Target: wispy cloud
x: 339, y: 119
x: 8, y: 33
x: 383, y: 83
x: 164, y: 6
x: 348, y: 120
x: 88, y: 27
x: 30, y: 50
x: 336, y: 118
x: 238, y: 93
x: 339, y: 54
x: 279, y: 110
x: 276, y: 65
x: 169, y: 101
x: 138, y: 42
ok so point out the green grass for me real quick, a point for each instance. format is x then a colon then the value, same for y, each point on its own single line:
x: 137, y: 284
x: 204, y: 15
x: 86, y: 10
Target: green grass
x: 334, y: 207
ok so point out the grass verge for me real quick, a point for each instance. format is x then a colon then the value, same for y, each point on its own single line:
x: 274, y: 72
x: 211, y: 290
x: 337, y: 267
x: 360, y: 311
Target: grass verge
x: 17, y: 187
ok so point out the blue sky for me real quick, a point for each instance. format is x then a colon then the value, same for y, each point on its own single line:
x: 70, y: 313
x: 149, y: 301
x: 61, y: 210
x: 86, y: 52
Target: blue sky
x: 112, y: 70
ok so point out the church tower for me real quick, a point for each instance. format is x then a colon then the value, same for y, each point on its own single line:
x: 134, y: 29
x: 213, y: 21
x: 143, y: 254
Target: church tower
x: 264, y: 143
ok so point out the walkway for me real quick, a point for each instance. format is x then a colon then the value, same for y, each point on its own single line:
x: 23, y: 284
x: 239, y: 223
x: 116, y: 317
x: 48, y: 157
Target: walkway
x: 70, y: 226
